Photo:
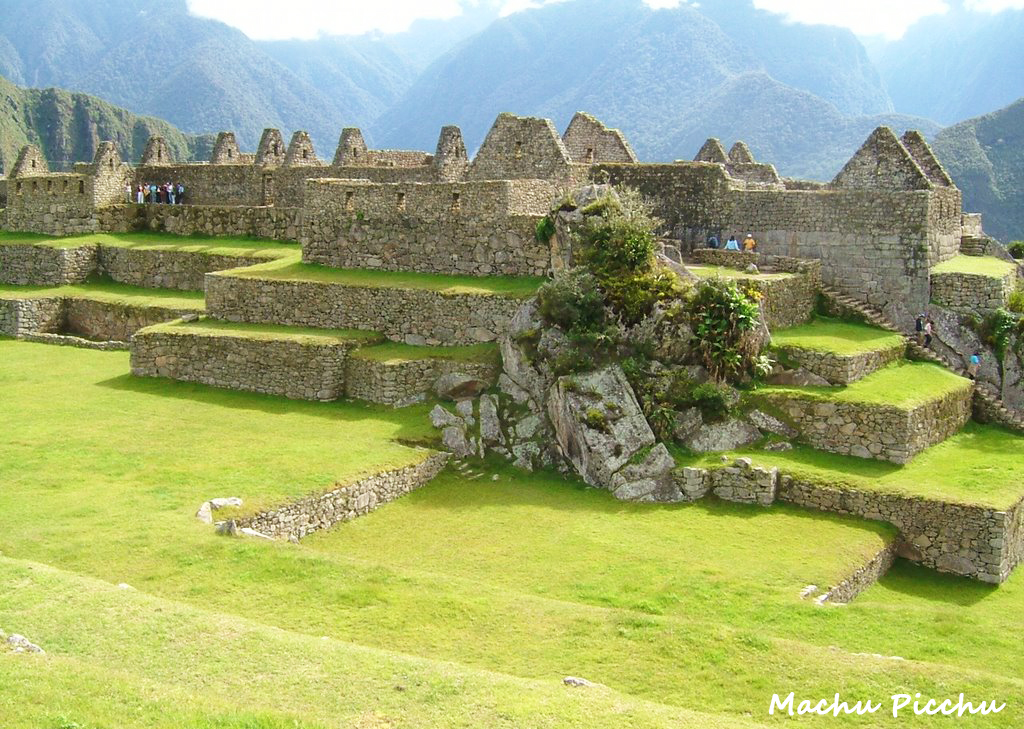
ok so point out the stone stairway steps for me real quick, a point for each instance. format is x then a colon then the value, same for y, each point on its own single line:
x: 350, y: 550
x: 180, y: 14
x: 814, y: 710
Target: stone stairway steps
x: 990, y: 403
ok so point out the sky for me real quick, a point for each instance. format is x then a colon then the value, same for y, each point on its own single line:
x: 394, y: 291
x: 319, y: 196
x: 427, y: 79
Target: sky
x: 271, y: 20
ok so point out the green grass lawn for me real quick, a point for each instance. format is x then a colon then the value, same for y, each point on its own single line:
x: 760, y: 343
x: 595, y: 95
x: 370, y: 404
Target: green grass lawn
x: 981, y: 465
x: 904, y: 385
x: 111, y: 293
x: 462, y: 604
x: 976, y: 265
x: 724, y: 272
x: 510, y: 286
x: 394, y: 352
x: 218, y: 328
x: 837, y: 337
x: 211, y: 245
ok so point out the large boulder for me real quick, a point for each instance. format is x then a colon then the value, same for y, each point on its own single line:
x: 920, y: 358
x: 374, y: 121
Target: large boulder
x: 724, y: 436
x: 458, y: 386
x: 598, y: 423
x: 649, y: 479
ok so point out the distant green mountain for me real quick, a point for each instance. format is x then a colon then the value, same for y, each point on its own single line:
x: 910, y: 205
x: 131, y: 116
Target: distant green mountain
x: 803, y: 96
x: 955, y: 65
x: 985, y: 157
x: 68, y: 127
x: 152, y: 57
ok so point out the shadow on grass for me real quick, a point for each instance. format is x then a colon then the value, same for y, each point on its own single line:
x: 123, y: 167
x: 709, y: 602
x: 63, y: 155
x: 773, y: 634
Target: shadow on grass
x: 921, y: 583
x: 414, y: 424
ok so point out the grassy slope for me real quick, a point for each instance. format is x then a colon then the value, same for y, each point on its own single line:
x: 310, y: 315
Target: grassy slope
x: 393, y: 352
x: 723, y: 272
x: 903, y: 385
x: 976, y: 265
x: 838, y: 337
x: 979, y: 465
x: 215, y: 328
x: 688, y: 606
x: 109, y: 292
x: 512, y: 286
x: 223, y: 246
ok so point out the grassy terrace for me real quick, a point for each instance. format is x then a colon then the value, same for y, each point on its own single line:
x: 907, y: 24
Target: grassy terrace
x: 836, y: 337
x: 394, y: 352
x: 511, y: 286
x: 980, y: 465
x: 463, y: 604
x: 216, y: 328
x: 223, y: 246
x: 976, y: 265
x: 724, y: 272
x: 904, y: 385
x: 111, y: 293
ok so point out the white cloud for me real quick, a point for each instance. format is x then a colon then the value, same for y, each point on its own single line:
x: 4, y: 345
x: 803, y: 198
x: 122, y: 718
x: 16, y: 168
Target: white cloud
x: 889, y: 18
x: 994, y: 6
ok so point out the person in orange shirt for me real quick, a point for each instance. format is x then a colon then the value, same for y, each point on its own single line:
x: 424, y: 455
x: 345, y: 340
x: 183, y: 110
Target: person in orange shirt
x: 749, y: 244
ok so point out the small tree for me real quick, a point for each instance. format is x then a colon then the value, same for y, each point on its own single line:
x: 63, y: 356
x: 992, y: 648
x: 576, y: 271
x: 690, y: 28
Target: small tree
x: 724, y: 320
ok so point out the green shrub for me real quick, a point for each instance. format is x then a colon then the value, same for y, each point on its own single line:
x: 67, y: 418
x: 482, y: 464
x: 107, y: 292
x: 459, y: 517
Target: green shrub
x: 1016, y: 302
x: 723, y: 319
x: 573, y: 301
x: 545, y: 229
x: 1016, y: 248
x: 595, y: 420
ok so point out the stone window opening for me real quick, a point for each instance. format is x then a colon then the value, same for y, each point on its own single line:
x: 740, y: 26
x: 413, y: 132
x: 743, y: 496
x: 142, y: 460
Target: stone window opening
x: 456, y: 203
x: 355, y: 153
x: 401, y: 202
x: 111, y: 163
x: 590, y: 155
x: 17, y: 188
x: 81, y: 187
x: 33, y: 164
x: 305, y: 154
x: 49, y: 185
x: 230, y: 154
x: 65, y: 187
x: 349, y: 201
x: 277, y: 148
x: 519, y: 150
x: 159, y: 155
x: 35, y: 187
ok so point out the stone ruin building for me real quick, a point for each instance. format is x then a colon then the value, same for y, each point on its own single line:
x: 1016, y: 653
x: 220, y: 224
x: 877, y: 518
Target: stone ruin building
x: 871, y: 238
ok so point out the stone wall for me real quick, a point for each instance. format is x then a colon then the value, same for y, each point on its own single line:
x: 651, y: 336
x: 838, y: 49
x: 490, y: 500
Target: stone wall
x: 343, y: 503
x: 864, y: 577
x: 278, y: 223
x: 394, y: 382
x: 589, y: 141
x: 105, y: 321
x: 972, y: 541
x: 57, y: 204
x: 740, y: 482
x: 463, y: 228
x: 165, y: 269
x: 882, y: 432
x: 413, y: 316
x: 19, y: 317
x: 970, y: 293
x: 293, y: 369
x: 787, y: 302
x: 42, y: 265
x: 519, y: 147
x: 842, y: 369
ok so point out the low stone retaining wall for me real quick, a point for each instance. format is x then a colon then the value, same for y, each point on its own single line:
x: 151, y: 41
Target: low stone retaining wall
x: 842, y: 369
x: 863, y: 578
x: 876, y: 431
x: 740, y: 482
x: 970, y: 293
x: 345, y: 502
x: 413, y: 316
x: 19, y: 317
x: 68, y: 340
x: 166, y: 269
x: 787, y: 302
x: 392, y: 382
x: 210, y: 220
x: 44, y: 319
x: 39, y: 265
x: 293, y: 369
x: 981, y: 543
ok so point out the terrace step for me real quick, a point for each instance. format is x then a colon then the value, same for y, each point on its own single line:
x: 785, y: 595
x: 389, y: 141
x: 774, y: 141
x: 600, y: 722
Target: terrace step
x: 892, y: 414
x: 987, y: 404
x: 416, y: 309
x: 301, y: 364
x: 840, y: 352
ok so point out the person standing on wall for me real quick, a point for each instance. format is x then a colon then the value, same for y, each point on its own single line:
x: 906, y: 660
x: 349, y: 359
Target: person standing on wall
x: 974, y: 366
x: 128, y: 192
x: 732, y: 244
x: 181, y: 194
x: 919, y: 328
x: 749, y: 244
x: 928, y: 329
x: 140, y: 196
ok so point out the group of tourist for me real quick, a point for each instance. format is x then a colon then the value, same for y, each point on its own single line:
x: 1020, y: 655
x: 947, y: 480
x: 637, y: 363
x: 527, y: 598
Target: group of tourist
x: 168, y: 193
x: 749, y: 244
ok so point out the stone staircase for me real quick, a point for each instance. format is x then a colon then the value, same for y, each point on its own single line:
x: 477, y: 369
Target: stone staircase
x: 986, y: 400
